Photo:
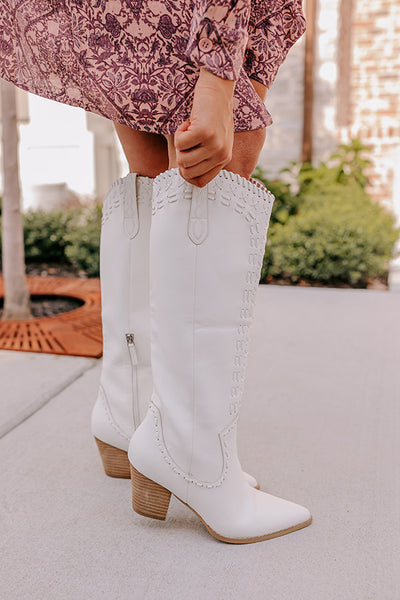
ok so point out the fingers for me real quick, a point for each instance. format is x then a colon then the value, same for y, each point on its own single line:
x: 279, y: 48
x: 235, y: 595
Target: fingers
x: 198, y: 170
x: 201, y: 163
x: 188, y: 139
x: 203, y: 179
x: 190, y: 158
x: 179, y: 139
x: 246, y: 150
x: 188, y: 136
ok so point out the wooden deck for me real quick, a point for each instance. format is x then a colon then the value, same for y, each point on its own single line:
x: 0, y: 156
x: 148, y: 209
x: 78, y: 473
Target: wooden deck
x: 76, y: 333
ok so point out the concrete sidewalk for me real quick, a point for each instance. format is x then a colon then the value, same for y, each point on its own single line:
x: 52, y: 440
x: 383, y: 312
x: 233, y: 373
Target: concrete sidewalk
x: 320, y: 426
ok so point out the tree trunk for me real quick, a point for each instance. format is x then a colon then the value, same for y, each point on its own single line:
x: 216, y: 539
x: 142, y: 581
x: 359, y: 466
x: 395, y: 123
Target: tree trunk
x: 344, y: 115
x: 16, y: 295
x: 308, y: 102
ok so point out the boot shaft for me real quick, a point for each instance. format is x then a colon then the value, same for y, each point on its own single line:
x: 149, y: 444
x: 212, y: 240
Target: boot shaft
x: 126, y: 380
x: 206, y: 253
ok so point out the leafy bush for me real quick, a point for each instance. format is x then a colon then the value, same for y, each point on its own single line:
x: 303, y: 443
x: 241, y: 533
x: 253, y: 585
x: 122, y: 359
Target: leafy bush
x: 334, y: 233
x: 345, y: 167
x: 65, y: 237
x: 84, y: 241
x: 286, y: 203
x: 45, y: 235
x: 346, y: 239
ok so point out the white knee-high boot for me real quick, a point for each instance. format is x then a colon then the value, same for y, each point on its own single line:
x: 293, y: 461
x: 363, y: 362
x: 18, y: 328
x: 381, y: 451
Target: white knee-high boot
x: 126, y: 382
x: 205, y: 257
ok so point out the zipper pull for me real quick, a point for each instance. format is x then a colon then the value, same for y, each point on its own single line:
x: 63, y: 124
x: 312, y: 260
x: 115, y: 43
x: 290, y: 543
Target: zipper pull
x: 130, y: 340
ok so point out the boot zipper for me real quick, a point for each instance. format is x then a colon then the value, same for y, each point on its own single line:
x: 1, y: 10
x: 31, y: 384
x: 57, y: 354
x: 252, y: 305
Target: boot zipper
x: 130, y: 340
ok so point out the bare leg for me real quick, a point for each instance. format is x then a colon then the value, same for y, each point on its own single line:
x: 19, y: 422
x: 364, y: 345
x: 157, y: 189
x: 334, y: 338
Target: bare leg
x: 146, y: 153
x: 150, y: 154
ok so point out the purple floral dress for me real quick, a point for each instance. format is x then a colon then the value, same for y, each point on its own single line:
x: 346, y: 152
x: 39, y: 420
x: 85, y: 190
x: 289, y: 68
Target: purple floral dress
x: 137, y: 61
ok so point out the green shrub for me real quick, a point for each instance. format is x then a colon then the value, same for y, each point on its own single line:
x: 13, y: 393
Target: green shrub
x: 45, y: 235
x: 346, y: 239
x: 286, y: 203
x: 83, y: 241
x: 335, y: 232
x: 64, y: 237
x: 345, y: 167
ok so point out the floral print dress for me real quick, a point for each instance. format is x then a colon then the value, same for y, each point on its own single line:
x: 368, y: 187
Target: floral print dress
x: 137, y: 61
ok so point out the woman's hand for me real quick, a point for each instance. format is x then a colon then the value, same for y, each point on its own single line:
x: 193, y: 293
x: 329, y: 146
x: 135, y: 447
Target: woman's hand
x: 204, y: 143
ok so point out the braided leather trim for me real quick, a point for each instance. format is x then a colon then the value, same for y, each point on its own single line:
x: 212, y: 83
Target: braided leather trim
x: 157, y: 419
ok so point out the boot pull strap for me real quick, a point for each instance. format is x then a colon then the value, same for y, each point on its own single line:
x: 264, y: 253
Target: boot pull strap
x: 130, y: 208
x: 198, y: 216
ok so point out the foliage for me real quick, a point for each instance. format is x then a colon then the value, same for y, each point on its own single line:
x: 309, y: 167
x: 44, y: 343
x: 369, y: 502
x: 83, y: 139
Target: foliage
x: 65, y: 237
x: 346, y: 239
x: 344, y: 167
x: 334, y: 233
x: 84, y: 241
x: 45, y: 235
x: 286, y: 203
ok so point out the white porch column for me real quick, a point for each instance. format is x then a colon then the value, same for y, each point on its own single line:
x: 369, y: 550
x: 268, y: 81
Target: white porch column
x: 107, y: 167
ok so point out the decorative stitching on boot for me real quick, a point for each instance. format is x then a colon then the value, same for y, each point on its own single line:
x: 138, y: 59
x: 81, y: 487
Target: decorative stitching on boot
x: 249, y: 196
x: 169, y: 196
x: 157, y: 418
x: 112, y: 199
x: 252, y: 277
x: 107, y: 410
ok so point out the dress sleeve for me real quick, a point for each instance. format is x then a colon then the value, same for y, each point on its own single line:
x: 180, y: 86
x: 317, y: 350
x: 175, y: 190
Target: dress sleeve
x: 218, y: 36
x: 274, y: 27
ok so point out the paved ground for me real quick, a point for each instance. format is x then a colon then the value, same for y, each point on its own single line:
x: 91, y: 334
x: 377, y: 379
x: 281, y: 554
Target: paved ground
x: 320, y: 426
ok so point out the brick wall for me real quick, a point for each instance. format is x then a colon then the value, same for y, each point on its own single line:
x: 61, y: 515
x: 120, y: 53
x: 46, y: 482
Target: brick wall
x: 375, y: 88
x: 374, y: 100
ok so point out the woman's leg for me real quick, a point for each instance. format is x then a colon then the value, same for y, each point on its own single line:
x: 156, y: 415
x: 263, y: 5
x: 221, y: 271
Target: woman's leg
x: 124, y: 274
x: 146, y: 153
x: 247, y: 146
x: 150, y: 154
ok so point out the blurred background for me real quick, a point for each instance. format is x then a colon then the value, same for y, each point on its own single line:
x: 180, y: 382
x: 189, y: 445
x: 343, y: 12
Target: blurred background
x: 336, y: 111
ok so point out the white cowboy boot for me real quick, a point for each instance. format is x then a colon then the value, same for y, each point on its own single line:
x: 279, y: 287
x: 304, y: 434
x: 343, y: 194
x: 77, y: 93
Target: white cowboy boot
x: 206, y: 253
x: 126, y: 382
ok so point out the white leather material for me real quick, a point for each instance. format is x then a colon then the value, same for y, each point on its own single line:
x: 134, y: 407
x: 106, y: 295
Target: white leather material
x: 204, y: 280
x: 124, y: 276
x: 126, y: 379
x: 198, y: 219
